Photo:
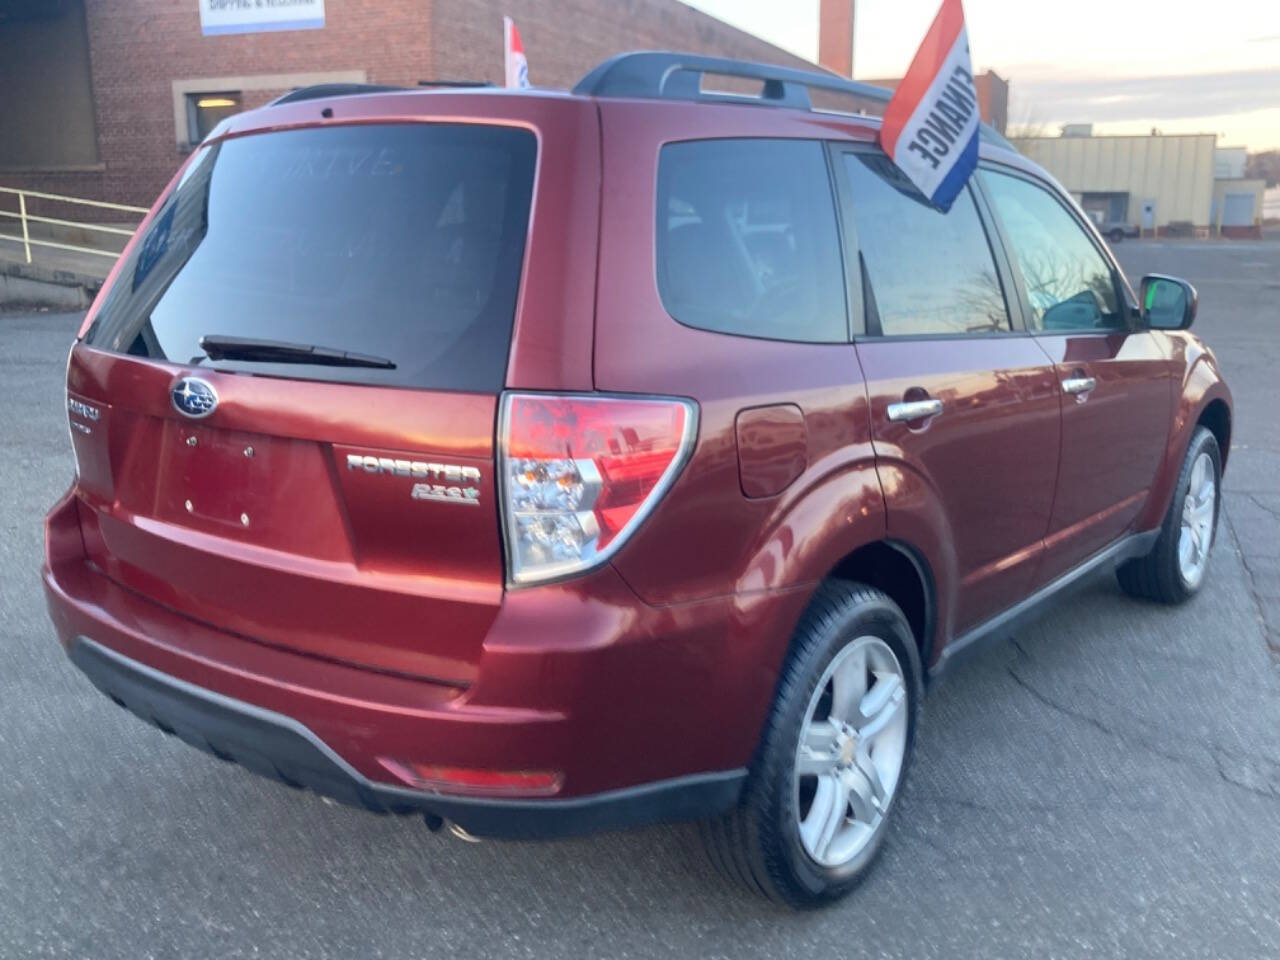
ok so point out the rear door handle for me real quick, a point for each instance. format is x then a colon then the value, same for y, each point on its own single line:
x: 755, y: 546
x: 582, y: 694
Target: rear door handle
x: 914, y: 410
x: 1078, y: 385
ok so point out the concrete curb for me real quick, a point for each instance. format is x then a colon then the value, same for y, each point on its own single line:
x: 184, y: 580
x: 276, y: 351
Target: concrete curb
x: 28, y: 283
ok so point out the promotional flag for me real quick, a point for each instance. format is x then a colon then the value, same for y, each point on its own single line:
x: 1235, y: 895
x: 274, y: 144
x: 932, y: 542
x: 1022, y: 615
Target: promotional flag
x: 516, y: 64
x: 930, y: 127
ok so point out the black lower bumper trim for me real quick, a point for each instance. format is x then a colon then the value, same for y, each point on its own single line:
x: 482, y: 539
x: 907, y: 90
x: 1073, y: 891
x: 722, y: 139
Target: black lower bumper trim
x: 280, y: 747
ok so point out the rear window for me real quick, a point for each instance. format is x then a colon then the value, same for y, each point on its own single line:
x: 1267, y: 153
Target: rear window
x: 398, y: 242
x: 747, y: 239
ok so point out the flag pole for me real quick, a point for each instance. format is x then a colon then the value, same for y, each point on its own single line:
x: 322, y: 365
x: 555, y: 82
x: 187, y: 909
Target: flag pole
x: 506, y: 51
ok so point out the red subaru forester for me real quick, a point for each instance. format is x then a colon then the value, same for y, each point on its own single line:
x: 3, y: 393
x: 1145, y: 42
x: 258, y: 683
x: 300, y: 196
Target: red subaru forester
x: 549, y: 462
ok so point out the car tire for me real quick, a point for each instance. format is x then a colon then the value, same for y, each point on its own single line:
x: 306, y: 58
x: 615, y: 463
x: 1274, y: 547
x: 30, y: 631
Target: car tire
x: 1116, y: 235
x: 775, y: 842
x: 1164, y: 574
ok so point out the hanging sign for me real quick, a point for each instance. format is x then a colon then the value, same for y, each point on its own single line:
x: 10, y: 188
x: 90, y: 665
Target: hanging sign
x: 259, y: 16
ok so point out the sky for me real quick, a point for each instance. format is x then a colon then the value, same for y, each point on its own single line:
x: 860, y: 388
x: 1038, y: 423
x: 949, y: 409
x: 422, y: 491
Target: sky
x: 1125, y: 65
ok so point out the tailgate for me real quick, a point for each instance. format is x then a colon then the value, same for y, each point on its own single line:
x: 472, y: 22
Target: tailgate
x: 358, y: 524
x: 323, y: 479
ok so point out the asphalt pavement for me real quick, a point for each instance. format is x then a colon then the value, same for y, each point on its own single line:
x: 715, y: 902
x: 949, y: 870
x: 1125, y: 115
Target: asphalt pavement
x: 1107, y: 784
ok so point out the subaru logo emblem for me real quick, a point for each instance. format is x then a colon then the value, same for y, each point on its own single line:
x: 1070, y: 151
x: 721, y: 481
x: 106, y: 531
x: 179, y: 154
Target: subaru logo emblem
x: 192, y: 397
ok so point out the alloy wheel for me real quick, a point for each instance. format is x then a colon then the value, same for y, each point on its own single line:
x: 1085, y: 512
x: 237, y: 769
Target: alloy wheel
x: 1198, y: 512
x: 851, y: 751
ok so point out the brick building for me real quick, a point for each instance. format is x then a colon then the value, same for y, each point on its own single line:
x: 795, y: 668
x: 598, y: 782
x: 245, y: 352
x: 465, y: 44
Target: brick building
x: 993, y: 97
x: 104, y: 98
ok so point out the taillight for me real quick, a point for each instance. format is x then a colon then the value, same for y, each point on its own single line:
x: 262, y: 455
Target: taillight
x: 580, y: 473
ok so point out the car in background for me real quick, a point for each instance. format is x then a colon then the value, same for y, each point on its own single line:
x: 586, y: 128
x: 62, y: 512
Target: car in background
x: 1115, y: 232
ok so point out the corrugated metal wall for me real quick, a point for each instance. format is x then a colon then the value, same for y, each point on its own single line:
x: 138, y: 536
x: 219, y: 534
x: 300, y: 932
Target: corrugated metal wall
x: 1254, y: 188
x: 1175, y: 171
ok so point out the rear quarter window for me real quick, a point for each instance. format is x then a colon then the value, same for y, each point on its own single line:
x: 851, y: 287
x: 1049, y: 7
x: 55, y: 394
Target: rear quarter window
x: 747, y: 241
x: 402, y: 242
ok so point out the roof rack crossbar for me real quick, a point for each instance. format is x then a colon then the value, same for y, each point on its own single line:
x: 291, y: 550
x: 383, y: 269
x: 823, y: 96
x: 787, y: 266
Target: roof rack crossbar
x: 665, y: 75
x: 318, y: 91
x: 460, y: 84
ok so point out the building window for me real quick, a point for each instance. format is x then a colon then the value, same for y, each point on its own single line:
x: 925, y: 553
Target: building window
x: 206, y: 110
x: 46, y: 117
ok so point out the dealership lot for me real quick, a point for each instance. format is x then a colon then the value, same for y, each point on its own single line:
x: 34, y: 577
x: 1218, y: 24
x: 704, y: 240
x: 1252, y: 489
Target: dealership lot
x: 1108, y: 782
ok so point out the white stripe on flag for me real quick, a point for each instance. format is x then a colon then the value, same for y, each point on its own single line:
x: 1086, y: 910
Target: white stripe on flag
x: 926, y: 176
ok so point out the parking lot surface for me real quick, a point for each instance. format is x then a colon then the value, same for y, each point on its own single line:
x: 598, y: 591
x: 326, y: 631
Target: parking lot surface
x: 1106, y: 783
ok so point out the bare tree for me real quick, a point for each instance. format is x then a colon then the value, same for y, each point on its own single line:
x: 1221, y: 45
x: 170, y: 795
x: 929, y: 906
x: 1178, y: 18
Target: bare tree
x: 1264, y: 166
x: 1030, y: 123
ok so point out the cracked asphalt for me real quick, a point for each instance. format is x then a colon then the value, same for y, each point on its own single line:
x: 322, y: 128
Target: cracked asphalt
x: 1107, y: 783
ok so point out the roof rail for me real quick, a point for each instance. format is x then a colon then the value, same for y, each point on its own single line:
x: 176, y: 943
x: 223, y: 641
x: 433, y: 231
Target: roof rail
x: 678, y: 76
x: 661, y: 74
x: 319, y: 90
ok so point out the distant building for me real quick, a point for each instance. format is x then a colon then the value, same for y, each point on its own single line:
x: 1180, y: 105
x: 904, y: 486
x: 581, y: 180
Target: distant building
x: 1239, y: 207
x: 1159, y: 185
x: 1229, y: 162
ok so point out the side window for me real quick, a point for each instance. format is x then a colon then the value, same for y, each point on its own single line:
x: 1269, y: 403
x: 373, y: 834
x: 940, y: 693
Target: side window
x: 747, y: 240
x: 1068, y: 282
x: 926, y: 272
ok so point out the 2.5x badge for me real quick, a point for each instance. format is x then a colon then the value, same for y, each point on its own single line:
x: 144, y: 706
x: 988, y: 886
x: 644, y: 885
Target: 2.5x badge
x: 448, y: 482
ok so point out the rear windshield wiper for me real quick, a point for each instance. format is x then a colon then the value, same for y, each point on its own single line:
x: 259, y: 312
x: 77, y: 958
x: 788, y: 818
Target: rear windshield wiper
x: 280, y: 351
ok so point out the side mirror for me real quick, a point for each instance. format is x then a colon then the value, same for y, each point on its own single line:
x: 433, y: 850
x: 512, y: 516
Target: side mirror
x: 1168, y: 303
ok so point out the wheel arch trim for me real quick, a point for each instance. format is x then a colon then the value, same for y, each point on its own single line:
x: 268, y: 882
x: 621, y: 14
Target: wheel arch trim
x: 1199, y: 389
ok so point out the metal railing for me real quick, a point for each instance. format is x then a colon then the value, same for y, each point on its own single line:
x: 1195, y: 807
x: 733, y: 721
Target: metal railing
x: 27, y: 219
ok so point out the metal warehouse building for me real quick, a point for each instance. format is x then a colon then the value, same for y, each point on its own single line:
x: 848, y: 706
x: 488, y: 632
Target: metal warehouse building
x: 1180, y: 184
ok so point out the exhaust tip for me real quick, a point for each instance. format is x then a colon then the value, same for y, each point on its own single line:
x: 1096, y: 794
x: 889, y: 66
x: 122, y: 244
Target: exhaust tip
x: 462, y: 834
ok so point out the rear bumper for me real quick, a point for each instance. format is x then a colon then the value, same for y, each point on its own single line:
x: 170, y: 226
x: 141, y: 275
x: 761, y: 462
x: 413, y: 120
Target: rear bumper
x: 648, y: 713
x: 280, y: 747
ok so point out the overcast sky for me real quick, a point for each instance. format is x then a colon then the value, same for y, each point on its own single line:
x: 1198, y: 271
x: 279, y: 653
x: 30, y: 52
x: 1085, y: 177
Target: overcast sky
x: 1126, y: 65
